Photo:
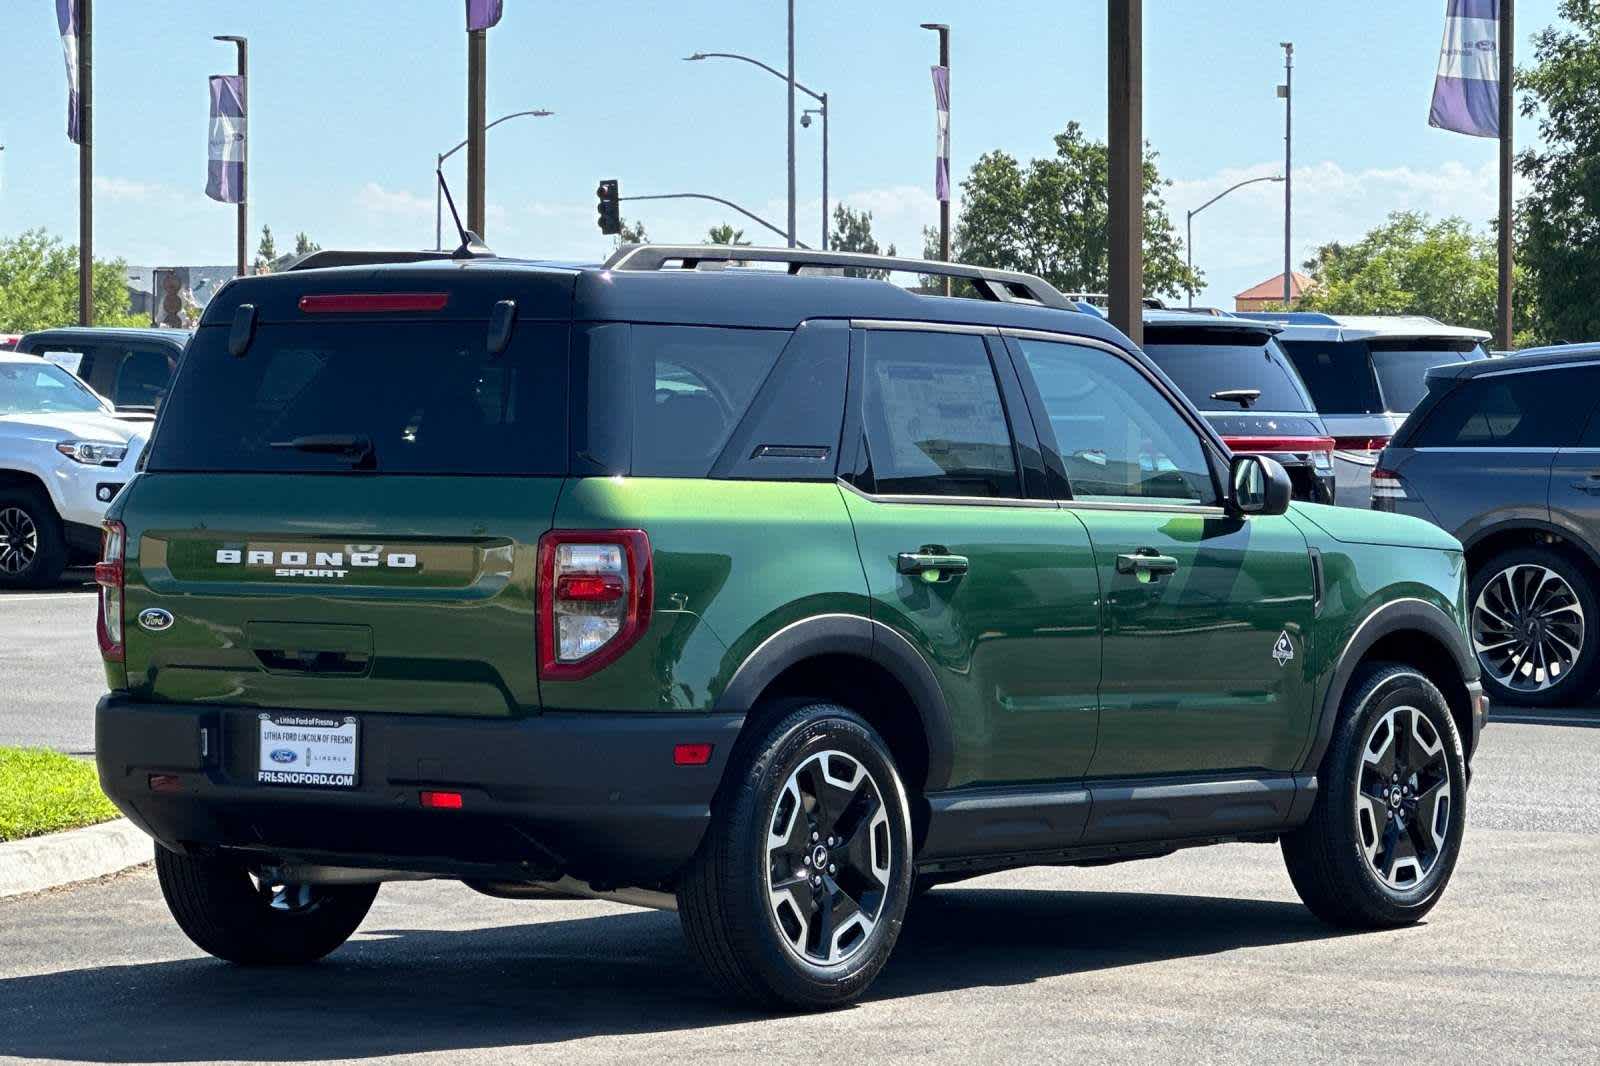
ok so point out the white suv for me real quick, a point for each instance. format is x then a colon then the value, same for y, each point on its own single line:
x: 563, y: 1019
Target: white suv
x: 63, y: 456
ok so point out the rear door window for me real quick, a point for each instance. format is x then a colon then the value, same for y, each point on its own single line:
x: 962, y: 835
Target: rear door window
x: 426, y: 395
x: 1536, y: 409
x: 935, y: 424
x: 1205, y: 362
x: 143, y: 375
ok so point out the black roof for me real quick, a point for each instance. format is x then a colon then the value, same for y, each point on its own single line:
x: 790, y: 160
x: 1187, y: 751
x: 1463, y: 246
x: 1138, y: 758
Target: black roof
x: 82, y: 334
x: 1527, y: 359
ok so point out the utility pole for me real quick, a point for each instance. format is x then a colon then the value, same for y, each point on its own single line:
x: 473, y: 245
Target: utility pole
x: 790, y: 126
x: 477, y: 91
x: 1507, y: 114
x: 85, y: 163
x: 1285, y: 90
x: 243, y: 265
x: 944, y: 205
x: 1125, y: 62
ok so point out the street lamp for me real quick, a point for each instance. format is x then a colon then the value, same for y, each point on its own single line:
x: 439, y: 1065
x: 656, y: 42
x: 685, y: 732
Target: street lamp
x: 438, y: 201
x: 805, y: 119
x: 1188, y: 248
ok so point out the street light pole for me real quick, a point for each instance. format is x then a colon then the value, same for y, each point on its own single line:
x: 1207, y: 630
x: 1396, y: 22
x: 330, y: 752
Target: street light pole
x: 242, y: 239
x: 477, y: 90
x: 1286, y: 91
x: 86, y: 163
x: 438, y: 202
x: 1188, y: 243
x: 1125, y: 151
x: 944, y: 205
x: 791, y: 127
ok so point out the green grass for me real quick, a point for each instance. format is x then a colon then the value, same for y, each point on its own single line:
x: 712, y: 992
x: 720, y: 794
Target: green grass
x: 44, y: 792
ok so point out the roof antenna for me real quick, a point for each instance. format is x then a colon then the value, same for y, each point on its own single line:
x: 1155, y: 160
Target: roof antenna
x: 472, y: 246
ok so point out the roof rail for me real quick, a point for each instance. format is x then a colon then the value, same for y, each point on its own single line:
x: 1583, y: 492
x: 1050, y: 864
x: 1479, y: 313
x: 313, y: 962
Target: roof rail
x: 334, y: 257
x: 1005, y: 286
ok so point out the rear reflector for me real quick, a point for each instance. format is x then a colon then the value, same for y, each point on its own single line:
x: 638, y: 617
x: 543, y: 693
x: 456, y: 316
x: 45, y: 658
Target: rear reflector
x: 1360, y: 444
x: 442, y: 801
x: 691, y: 754
x: 373, y: 302
x: 165, y: 783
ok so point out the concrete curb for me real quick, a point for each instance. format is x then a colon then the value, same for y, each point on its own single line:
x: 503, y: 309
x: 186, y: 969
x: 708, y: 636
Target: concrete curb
x: 39, y: 863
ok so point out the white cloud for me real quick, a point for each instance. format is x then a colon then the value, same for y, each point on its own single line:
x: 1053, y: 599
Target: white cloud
x: 375, y: 199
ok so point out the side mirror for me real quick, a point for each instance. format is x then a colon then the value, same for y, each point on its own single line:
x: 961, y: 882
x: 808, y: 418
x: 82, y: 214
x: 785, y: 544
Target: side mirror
x: 1258, y: 485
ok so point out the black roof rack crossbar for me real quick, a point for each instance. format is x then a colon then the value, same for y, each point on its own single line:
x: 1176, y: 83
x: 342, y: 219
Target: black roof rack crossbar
x: 1006, y: 286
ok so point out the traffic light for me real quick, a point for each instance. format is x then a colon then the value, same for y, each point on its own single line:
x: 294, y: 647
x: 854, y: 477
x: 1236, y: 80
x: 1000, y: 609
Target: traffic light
x: 610, y: 210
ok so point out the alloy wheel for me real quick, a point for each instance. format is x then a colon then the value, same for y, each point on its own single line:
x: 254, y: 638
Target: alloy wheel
x: 1403, y: 797
x: 19, y: 540
x: 829, y: 858
x: 1528, y: 628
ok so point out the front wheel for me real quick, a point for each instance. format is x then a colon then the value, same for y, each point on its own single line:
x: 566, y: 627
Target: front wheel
x: 1386, y: 825
x: 242, y: 916
x: 33, y: 547
x: 797, y: 894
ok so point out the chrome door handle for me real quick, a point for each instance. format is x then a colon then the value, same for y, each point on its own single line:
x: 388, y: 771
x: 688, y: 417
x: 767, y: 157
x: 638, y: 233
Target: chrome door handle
x: 927, y: 561
x: 1146, y: 561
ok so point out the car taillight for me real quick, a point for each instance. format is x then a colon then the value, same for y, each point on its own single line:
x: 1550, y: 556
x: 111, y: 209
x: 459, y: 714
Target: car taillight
x: 108, y: 574
x: 1320, y: 449
x: 1386, y: 488
x: 594, y: 598
x: 1360, y: 444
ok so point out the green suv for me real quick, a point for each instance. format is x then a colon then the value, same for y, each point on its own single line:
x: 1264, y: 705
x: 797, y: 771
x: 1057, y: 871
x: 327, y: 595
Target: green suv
x: 774, y: 596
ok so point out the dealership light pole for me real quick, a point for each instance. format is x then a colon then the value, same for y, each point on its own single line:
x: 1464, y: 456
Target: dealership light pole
x: 792, y: 232
x: 1125, y: 148
x: 1507, y: 116
x: 1188, y: 240
x: 438, y: 200
x: 477, y: 90
x: 1285, y: 90
x: 86, y: 163
x: 944, y: 205
x: 242, y: 266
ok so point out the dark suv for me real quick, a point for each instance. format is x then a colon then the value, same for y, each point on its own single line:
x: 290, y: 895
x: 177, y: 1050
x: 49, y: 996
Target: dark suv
x: 1505, y: 454
x: 131, y: 367
x: 772, y: 597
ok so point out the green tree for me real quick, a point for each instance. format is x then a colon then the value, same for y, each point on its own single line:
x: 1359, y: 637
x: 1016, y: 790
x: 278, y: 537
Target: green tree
x: 852, y: 232
x: 1559, y: 219
x: 304, y: 245
x: 725, y: 234
x: 39, y: 285
x: 632, y: 233
x: 1052, y: 218
x: 266, y: 250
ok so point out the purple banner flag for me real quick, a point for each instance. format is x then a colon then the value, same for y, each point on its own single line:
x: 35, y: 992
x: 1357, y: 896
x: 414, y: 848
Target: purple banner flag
x: 1466, y: 92
x: 481, y: 14
x: 67, y: 20
x: 941, y: 101
x: 225, y: 174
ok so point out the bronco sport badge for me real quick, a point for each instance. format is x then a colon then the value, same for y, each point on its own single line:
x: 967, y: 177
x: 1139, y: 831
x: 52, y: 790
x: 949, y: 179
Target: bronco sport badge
x: 1283, y: 651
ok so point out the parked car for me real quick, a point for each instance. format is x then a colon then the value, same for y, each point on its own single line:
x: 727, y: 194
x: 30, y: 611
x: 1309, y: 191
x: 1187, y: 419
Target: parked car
x: 770, y: 596
x: 1505, y: 454
x: 8, y: 341
x: 63, y: 456
x: 1365, y: 375
x: 130, y: 367
x: 1236, y: 374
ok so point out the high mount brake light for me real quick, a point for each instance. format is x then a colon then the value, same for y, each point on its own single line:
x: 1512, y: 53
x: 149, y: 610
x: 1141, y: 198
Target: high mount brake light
x: 109, y: 575
x: 373, y: 302
x: 595, y: 592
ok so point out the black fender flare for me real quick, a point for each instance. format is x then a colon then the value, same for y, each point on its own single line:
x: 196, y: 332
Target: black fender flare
x: 864, y: 638
x: 1396, y: 616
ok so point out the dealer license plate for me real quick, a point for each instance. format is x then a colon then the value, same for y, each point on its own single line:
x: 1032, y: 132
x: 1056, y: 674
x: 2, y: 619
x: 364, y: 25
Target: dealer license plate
x: 315, y: 750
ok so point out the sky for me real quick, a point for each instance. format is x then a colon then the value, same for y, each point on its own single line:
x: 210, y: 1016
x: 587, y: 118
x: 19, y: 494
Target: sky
x: 352, y: 99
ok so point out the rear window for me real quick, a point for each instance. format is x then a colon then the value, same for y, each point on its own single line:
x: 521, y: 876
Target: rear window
x: 1339, y: 376
x: 1402, y: 366
x: 1204, y: 362
x: 426, y: 395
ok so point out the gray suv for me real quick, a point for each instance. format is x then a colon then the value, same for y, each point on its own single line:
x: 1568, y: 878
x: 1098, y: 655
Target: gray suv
x: 1505, y: 454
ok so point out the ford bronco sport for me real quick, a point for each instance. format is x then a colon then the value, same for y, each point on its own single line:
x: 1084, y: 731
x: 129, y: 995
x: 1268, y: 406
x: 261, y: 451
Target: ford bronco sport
x: 770, y: 595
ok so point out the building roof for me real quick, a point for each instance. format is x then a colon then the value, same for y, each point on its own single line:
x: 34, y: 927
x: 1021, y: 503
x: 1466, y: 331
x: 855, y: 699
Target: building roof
x: 1272, y: 288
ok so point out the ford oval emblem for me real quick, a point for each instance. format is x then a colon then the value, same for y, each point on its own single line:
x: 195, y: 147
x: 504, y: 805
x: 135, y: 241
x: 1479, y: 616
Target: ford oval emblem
x: 283, y: 755
x: 155, y: 619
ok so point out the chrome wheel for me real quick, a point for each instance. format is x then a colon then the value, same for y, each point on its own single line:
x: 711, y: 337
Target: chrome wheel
x: 19, y: 540
x: 829, y: 858
x: 1403, y: 797
x: 1528, y: 628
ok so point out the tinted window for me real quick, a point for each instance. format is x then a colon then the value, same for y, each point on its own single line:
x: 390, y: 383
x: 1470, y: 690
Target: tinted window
x: 1402, y: 368
x: 1540, y: 409
x: 935, y: 425
x: 1339, y: 376
x: 692, y: 386
x: 142, y: 375
x: 1118, y: 436
x: 425, y: 394
x: 37, y: 386
x: 1204, y: 362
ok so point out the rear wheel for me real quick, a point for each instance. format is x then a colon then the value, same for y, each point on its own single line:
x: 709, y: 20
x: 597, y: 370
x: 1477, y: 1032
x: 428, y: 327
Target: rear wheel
x: 1386, y: 826
x: 1533, y: 613
x: 33, y: 546
x: 797, y: 894
x: 236, y: 914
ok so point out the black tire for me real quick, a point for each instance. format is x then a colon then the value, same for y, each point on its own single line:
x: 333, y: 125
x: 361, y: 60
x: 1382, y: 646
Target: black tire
x: 1334, y: 858
x: 219, y: 906
x: 1578, y: 681
x: 33, y: 546
x: 757, y: 945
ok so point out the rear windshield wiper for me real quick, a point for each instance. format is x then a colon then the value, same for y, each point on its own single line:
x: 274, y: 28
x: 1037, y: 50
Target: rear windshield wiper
x: 1245, y: 398
x: 357, y: 449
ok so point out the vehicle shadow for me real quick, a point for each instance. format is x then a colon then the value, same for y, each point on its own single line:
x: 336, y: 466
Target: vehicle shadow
x: 1581, y: 717
x: 409, y: 991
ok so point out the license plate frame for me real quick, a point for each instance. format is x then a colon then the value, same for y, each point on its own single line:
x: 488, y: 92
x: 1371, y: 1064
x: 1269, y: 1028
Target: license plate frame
x: 302, y: 750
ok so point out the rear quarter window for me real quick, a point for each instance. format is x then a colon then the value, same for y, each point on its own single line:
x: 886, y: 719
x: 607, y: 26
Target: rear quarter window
x: 1537, y: 409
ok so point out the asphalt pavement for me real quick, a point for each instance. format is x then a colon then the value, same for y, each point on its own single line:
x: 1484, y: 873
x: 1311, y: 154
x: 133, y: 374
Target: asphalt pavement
x: 50, y: 673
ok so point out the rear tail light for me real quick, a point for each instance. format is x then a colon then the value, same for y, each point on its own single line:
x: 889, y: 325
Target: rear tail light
x: 595, y: 593
x: 108, y: 574
x: 1320, y: 449
x: 1360, y: 444
x: 1386, y: 488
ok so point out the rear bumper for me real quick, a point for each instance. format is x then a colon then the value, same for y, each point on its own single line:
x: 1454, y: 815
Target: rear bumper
x: 593, y: 795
